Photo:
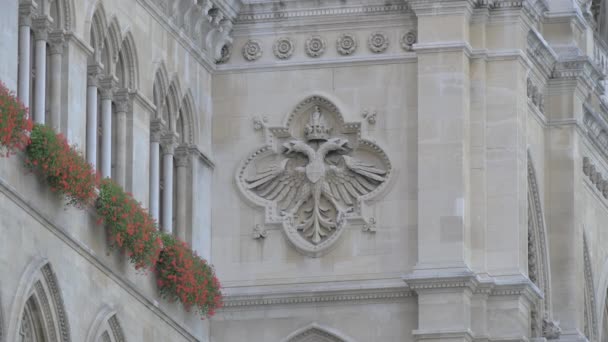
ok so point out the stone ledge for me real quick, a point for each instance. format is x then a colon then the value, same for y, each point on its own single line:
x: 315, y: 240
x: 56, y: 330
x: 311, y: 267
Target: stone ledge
x: 462, y: 279
x: 343, y: 292
x: 89, y: 255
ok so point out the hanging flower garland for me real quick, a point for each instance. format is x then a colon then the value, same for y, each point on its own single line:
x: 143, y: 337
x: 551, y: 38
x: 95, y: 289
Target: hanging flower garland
x: 14, y: 123
x: 181, y: 274
x: 61, y: 165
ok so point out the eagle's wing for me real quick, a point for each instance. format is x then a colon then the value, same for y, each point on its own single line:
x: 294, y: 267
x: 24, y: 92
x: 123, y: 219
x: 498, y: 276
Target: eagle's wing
x: 352, y: 180
x: 281, y: 184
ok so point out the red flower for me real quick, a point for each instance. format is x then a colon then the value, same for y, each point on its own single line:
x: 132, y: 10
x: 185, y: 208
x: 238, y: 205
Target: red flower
x: 15, y: 123
x: 62, y: 166
x: 182, y: 275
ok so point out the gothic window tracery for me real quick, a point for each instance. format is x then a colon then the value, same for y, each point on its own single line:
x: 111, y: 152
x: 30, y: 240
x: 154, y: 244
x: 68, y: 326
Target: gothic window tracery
x: 170, y: 141
x: 542, y: 324
x: 41, y: 316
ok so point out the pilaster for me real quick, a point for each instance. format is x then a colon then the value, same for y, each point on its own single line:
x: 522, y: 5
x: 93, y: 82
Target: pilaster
x: 566, y: 95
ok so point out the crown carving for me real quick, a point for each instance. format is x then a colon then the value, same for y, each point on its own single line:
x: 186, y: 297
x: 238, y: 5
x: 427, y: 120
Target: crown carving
x: 317, y: 127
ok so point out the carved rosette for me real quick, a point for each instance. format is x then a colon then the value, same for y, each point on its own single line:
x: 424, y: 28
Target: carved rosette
x: 346, y: 44
x: 252, y: 50
x: 378, y: 42
x: 315, y: 46
x: 409, y: 39
x: 283, y: 48
x: 314, y: 175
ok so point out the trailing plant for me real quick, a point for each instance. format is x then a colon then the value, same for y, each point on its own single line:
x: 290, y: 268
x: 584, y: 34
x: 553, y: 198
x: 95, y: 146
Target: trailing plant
x: 182, y: 275
x: 15, y: 124
x: 129, y: 225
x: 61, y: 165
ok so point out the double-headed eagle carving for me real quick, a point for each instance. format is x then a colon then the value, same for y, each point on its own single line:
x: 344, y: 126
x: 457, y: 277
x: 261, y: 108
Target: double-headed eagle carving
x: 317, y: 183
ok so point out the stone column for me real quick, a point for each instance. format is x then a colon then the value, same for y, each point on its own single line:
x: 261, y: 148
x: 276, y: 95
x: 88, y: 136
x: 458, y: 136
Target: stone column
x: 41, y: 34
x: 182, y: 160
x: 93, y: 74
x: 25, y: 67
x: 57, y: 41
x: 107, y: 93
x: 168, y: 144
x: 156, y: 128
x: 121, y: 100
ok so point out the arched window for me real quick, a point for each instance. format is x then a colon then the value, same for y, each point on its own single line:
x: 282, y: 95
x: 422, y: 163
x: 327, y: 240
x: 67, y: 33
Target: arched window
x: 590, y: 327
x: 106, y: 327
x: 38, y: 314
x: 538, y: 267
x: 41, y: 56
x: 317, y: 333
x: 170, y: 167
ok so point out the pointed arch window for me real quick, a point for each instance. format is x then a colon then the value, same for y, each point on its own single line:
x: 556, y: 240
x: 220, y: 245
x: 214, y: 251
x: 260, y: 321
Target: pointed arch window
x: 38, y: 314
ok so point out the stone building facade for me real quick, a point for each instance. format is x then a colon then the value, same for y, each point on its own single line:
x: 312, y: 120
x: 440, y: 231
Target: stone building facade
x: 355, y: 170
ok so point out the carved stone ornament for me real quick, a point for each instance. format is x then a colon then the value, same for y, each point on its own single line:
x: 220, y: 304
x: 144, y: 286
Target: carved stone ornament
x: 551, y: 329
x: 252, y: 50
x: 378, y: 42
x: 409, y: 39
x: 313, y: 175
x: 225, y: 54
x: 370, y: 226
x: 315, y: 46
x: 259, y: 123
x: 370, y: 116
x: 259, y: 232
x: 346, y: 44
x: 283, y: 48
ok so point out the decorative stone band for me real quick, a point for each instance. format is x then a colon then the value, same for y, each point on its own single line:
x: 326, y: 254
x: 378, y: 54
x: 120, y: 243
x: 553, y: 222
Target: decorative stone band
x: 540, y: 53
x: 392, y: 293
x: 460, y: 335
x: 466, y: 280
x: 386, y: 292
x: 596, y: 177
x: 597, y: 129
x: 257, y: 13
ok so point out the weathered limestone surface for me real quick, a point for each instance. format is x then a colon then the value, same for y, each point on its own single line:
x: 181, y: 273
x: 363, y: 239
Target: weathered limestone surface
x: 358, y: 170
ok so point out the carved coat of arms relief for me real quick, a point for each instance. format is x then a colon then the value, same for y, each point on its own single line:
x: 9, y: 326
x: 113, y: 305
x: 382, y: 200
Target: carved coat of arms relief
x: 313, y: 175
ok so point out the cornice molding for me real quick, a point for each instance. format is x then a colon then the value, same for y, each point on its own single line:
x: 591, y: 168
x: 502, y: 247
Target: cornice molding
x: 405, y: 57
x: 541, y: 53
x: 254, y: 13
x: 179, y: 36
x: 442, y: 7
x: 431, y: 281
x: 70, y: 37
x: 596, y: 129
x: 196, y: 151
x: 443, y: 47
x: 310, y: 295
x: 462, y: 335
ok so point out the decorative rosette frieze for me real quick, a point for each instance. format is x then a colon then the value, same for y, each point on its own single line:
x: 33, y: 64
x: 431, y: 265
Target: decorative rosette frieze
x: 346, y: 44
x: 378, y: 42
x: 315, y: 46
x: 283, y: 48
x: 409, y: 39
x: 252, y: 50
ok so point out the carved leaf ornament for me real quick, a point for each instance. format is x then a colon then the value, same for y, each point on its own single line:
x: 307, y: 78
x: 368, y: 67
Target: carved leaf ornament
x: 314, y: 174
